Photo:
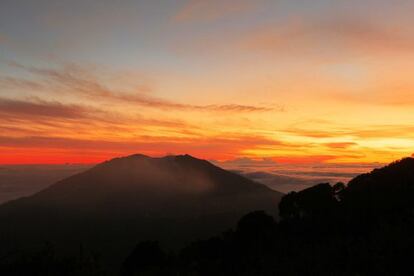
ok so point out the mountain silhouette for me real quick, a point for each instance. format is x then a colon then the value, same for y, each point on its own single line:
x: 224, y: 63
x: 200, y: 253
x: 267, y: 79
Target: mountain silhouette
x: 171, y: 186
x: 113, y: 205
x: 383, y: 193
x: 397, y: 175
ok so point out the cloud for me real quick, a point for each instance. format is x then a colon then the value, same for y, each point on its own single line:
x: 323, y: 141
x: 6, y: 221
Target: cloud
x: 341, y: 145
x: 286, y: 177
x: 356, y: 131
x: 12, y: 83
x: 383, y: 131
x: 235, y: 108
x: 36, y: 117
x: 304, y: 159
x: 210, y: 10
x: 3, y: 39
x: 285, y: 183
x: 41, y: 108
x: 314, y: 133
x: 308, y: 40
x: 386, y: 91
x: 331, y: 38
x: 245, y: 162
x: 75, y: 79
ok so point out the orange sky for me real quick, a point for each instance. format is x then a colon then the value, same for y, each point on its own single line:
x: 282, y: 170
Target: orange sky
x: 295, y: 82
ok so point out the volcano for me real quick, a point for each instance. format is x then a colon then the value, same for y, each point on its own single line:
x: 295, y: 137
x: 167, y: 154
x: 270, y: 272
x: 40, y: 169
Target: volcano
x: 110, y: 207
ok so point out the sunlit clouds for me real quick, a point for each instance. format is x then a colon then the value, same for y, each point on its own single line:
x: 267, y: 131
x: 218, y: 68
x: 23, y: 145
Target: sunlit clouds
x: 217, y: 79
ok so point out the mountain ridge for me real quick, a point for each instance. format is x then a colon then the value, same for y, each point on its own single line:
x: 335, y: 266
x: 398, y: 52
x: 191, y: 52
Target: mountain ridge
x: 108, y: 208
x: 181, y: 174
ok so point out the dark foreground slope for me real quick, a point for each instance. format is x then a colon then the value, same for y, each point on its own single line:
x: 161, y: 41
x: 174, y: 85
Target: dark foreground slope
x: 112, y: 206
x: 364, y: 228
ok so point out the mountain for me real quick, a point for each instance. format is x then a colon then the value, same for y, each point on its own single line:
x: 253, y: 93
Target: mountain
x: 395, y: 175
x: 113, y: 205
x: 388, y: 190
x: 152, y: 187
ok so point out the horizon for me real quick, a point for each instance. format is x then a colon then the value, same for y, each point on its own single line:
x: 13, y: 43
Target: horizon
x: 294, y: 82
x: 206, y: 137
x: 281, y: 177
x: 242, y: 159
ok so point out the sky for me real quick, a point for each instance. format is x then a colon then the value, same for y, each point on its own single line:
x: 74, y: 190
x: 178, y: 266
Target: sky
x: 293, y: 81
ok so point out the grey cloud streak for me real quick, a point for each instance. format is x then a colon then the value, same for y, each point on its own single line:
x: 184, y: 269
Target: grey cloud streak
x: 75, y: 79
x: 41, y: 108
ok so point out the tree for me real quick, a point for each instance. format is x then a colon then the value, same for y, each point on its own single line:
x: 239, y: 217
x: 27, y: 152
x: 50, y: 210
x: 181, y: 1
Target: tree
x: 147, y: 258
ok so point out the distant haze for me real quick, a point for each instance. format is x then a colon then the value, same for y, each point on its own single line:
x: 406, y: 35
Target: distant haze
x: 24, y: 180
x: 286, y: 177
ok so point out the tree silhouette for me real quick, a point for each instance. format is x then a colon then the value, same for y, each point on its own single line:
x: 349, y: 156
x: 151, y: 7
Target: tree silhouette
x: 147, y: 258
x: 311, y: 202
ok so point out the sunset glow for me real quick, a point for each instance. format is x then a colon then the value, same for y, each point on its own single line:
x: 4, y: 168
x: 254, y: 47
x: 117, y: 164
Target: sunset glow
x: 293, y: 81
